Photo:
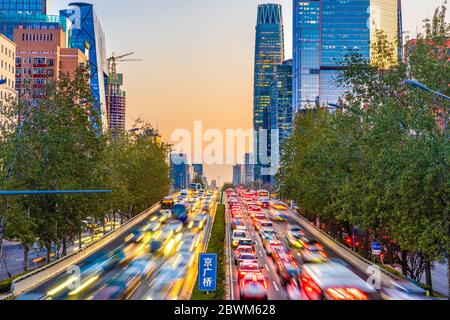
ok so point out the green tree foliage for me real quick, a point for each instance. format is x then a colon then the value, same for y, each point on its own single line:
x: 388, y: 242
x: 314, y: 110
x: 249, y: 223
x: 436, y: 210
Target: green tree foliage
x: 381, y: 163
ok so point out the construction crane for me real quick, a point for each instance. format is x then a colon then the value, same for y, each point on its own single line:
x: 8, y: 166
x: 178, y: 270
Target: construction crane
x: 112, y: 74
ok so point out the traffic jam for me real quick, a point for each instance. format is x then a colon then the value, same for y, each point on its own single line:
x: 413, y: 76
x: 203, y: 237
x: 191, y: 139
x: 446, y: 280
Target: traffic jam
x: 273, y: 258
x: 155, y: 260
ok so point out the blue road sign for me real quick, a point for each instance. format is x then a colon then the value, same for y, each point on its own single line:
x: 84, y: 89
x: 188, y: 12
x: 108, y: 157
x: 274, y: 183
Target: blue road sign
x: 376, y: 248
x: 207, y: 272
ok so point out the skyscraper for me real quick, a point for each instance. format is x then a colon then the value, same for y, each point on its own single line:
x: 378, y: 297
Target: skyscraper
x: 269, y: 52
x: 249, y: 172
x: 179, y: 171
x: 116, y: 100
x: 29, y: 14
x: 324, y: 32
x: 87, y: 29
x: 281, y: 115
x: 31, y: 7
x: 238, y: 173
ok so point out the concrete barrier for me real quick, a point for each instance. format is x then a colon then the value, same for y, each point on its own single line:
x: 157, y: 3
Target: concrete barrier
x: 34, y: 279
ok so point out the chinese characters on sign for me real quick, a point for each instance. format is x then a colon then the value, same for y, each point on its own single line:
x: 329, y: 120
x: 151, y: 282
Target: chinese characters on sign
x: 207, y: 272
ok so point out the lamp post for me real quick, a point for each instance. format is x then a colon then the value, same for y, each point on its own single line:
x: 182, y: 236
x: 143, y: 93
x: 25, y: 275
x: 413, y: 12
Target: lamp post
x: 418, y: 85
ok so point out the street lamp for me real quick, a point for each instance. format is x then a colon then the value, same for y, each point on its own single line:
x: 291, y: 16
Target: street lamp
x: 335, y: 106
x: 416, y: 84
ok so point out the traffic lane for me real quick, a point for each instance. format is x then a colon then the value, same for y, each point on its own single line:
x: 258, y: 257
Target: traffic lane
x: 144, y: 289
x: 275, y: 289
x: 50, y: 284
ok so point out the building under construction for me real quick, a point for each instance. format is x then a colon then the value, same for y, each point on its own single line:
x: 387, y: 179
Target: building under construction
x: 116, y: 102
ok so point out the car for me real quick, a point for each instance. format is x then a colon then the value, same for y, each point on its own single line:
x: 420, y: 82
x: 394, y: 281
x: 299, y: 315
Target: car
x: 294, y: 236
x: 145, y: 265
x: 264, y: 225
x: 248, y: 268
x: 257, y: 218
x: 288, y: 269
x: 236, y: 236
x: 167, y: 203
x: 175, y: 226
x: 237, y: 222
x: 275, y: 215
x: 313, y: 252
x: 112, y: 291
x: 166, y: 285
x: 265, y: 204
x: 246, y: 242
x: 152, y: 227
x: 198, y: 223
x: 253, y: 287
x: 267, y: 234
x: 243, y: 250
x: 271, y: 245
x: 188, y: 245
x: 247, y: 258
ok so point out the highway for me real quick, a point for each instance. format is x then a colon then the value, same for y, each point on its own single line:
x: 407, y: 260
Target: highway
x: 275, y: 288
x: 129, y: 268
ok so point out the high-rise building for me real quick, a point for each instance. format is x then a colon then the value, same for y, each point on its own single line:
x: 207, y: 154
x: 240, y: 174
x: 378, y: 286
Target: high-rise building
x: 249, y: 172
x: 88, y: 30
x: 269, y: 52
x: 281, y: 114
x: 324, y: 32
x: 30, y: 7
x: 116, y: 102
x: 179, y: 171
x: 41, y: 58
x: 7, y: 75
x: 28, y: 14
x: 198, y: 170
x: 238, y: 174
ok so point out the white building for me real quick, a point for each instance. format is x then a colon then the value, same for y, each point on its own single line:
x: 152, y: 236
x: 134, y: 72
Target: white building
x: 7, y: 73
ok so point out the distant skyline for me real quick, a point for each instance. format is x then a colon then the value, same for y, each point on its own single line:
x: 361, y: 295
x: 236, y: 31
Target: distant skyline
x: 197, y: 59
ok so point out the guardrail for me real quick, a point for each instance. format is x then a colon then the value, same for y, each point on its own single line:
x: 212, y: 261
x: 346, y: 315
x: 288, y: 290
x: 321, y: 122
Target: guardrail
x: 34, y: 279
x: 350, y: 256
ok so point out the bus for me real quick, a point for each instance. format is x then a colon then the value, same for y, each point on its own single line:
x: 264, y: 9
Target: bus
x: 333, y: 281
x: 167, y: 203
x: 263, y: 198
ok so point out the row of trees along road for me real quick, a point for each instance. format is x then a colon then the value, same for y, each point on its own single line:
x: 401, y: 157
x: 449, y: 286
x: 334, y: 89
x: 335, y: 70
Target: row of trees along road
x: 381, y: 163
x: 62, y: 148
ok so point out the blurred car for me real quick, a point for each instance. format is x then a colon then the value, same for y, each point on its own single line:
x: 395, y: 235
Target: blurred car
x: 287, y: 269
x: 257, y: 218
x: 175, y: 226
x: 166, y: 285
x: 293, y: 290
x: 294, y: 236
x: 236, y: 236
x: 145, y: 265
x: 275, y: 215
x: 243, y: 250
x: 265, y: 204
x: 246, y: 258
x: 264, y: 225
x: 313, y: 252
x: 253, y: 287
x: 248, y: 268
x: 152, y: 227
x: 188, y: 245
x: 403, y: 290
x: 198, y: 223
x: 246, y: 242
x: 333, y: 281
x: 271, y: 245
x: 268, y: 237
x: 167, y: 203
x: 112, y: 291
x: 236, y: 222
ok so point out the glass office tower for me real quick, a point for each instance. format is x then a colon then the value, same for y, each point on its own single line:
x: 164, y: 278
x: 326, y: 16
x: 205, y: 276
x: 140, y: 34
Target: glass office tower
x: 88, y: 30
x: 280, y: 113
x: 324, y: 32
x: 269, y: 52
x: 31, y: 7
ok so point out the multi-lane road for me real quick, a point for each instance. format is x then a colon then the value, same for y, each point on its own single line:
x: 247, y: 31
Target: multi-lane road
x: 131, y: 268
x: 275, y: 288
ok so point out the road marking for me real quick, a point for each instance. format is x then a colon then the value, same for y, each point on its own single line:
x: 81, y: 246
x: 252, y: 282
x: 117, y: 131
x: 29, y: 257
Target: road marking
x: 276, y: 287
x: 18, y: 260
x: 267, y: 267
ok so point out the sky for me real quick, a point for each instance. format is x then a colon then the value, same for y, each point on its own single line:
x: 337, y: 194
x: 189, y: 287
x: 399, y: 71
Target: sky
x: 197, y: 59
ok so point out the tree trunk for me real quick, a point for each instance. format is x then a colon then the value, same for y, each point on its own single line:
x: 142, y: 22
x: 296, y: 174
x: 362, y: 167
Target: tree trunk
x: 26, y: 252
x: 429, y: 280
x: 49, y: 251
x: 80, y: 238
x: 64, y: 247
x: 404, y: 263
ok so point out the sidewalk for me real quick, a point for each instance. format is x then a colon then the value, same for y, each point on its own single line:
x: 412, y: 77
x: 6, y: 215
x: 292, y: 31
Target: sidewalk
x: 13, y: 252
